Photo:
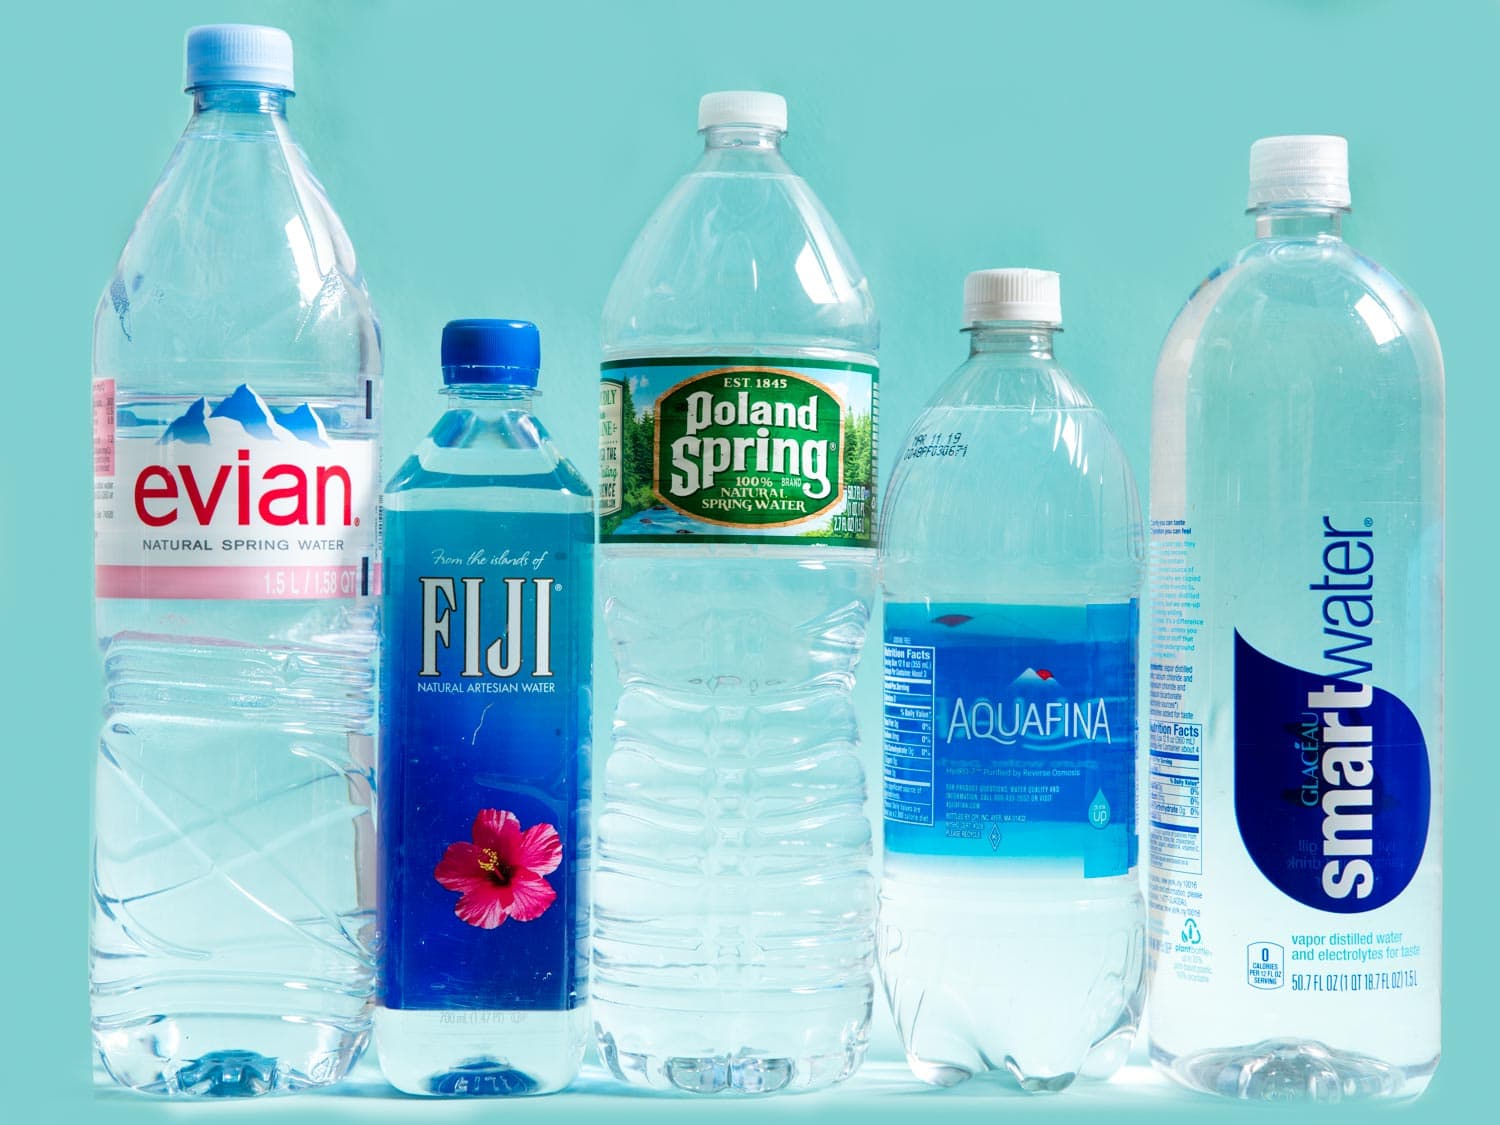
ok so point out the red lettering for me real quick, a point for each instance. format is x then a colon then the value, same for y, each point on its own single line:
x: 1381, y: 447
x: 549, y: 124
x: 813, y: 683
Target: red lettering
x: 244, y: 511
x: 283, y: 502
x: 296, y: 492
x: 327, y: 473
x: 166, y: 491
x: 204, y: 509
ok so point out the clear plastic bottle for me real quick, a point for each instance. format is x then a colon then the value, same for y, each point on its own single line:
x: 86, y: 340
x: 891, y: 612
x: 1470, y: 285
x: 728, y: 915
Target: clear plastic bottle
x: 236, y: 392
x: 1012, y: 926
x: 733, y: 933
x: 1296, y: 662
x: 485, y: 701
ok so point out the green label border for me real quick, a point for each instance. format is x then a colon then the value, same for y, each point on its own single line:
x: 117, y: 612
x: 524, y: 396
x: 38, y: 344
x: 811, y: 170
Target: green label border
x: 705, y: 531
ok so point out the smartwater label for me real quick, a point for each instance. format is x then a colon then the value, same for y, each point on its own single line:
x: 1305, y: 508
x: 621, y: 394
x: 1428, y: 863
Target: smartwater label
x: 1009, y: 734
x: 484, y: 761
x: 1332, y: 788
x: 738, y: 449
x: 234, y: 499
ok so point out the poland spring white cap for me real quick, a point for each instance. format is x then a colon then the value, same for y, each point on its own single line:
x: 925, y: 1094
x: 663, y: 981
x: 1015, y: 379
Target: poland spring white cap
x: 742, y: 107
x: 1296, y: 168
x: 239, y: 52
x: 1024, y: 295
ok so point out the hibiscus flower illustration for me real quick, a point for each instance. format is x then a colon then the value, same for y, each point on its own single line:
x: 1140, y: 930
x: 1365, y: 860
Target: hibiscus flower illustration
x: 500, y: 874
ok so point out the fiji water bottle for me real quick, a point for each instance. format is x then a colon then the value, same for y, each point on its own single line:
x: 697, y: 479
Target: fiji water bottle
x: 485, y: 707
x: 734, y: 905
x: 1296, y: 662
x: 236, y: 495
x: 1011, y: 923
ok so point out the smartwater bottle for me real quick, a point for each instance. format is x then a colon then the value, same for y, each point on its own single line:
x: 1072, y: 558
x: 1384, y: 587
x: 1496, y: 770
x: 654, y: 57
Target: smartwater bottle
x: 484, y: 755
x: 734, y: 902
x: 236, y: 497
x: 1012, y: 927
x: 1296, y: 662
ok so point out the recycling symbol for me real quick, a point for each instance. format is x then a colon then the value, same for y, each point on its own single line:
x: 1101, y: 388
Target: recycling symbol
x: 1191, y: 933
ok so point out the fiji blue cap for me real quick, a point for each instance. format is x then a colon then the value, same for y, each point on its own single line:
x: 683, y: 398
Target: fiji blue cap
x: 491, y: 351
x: 239, y: 52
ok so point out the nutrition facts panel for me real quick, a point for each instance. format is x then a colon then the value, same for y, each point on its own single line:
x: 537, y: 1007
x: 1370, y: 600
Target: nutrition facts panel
x: 908, y: 725
x: 1177, y: 796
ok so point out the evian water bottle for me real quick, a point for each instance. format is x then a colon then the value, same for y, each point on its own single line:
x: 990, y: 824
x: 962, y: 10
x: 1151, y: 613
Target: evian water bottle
x: 1296, y: 662
x: 236, y: 369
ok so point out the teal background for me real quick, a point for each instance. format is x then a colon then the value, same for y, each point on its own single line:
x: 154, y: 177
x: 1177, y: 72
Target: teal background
x: 497, y: 159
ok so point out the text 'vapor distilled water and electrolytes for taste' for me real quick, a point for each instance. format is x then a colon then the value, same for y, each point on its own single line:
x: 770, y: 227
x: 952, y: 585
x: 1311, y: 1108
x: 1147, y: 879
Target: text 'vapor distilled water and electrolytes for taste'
x: 1296, y: 662
x: 734, y: 906
x: 1012, y: 926
x: 236, y: 389
x: 485, y: 706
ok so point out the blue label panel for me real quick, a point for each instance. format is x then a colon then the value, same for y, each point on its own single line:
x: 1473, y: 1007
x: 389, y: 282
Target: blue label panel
x: 1332, y: 788
x: 484, y: 757
x: 1009, y: 734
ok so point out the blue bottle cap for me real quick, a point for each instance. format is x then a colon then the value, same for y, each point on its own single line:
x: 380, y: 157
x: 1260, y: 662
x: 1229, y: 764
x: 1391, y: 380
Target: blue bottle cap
x: 491, y: 351
x: 239, y: 52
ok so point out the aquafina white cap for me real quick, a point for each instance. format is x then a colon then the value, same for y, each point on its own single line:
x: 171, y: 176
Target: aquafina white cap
x: 1013, y: 294
x: 742, y: 107
x: 1297, y: 168
x: 239, y: 52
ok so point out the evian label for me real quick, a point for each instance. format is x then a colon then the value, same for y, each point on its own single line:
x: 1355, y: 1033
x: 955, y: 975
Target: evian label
x: 233, y: 499
x: 738, y: 449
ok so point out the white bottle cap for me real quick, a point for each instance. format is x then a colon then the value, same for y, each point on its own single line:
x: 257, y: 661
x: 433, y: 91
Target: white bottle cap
x: 239, y: 52
x: 742, y: 107
x: 1297, y: 168
x: 1020, y: 295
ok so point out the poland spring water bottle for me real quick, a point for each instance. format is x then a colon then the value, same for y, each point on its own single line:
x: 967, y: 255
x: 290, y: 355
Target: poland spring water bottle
x: 1012, y: 927
x: 236, y: 493
x: 733, y: 900
x: 485, y: 704
x: 1296, y: 662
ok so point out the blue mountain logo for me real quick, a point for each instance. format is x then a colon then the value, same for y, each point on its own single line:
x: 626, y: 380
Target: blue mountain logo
x: 190, y: 426
x: 245, y: 413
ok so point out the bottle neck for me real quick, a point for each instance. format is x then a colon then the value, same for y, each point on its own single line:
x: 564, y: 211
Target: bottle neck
x: 765, y: 137
x: 738, y: 148
x: 1301, y: 220
x: 1011, y: 338
x: 511, y: 396
x: 250, y: 109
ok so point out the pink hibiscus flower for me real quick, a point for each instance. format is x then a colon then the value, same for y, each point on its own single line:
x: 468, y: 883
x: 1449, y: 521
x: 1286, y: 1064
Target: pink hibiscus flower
x: 500, y: 874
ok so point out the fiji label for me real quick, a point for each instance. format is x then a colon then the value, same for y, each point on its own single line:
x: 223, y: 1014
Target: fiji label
x: 484, y: 774
x: 1009, y: 735
x: 1332, y: 787
x: 738, y: 449
x: 233, y: 499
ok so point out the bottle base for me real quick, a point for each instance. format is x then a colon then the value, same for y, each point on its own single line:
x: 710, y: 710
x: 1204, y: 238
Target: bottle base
x: 1032, y: 985
x: 276, y: 1056
x: 694, y: 1048
x: 1290, y: 1070
x: 742, y: 1072
x: 471, y: 1054
x: 1103, y: 1059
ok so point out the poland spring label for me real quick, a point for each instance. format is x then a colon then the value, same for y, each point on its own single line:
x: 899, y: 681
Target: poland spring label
x: 231, y: 498
x: 737, y: 449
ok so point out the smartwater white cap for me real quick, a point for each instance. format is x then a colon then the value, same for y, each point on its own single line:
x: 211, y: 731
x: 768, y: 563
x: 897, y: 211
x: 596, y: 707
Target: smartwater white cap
x: 742, y: 107
x: 1024, y: 295
x: 239, y: 52
x: 1296, y: 168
